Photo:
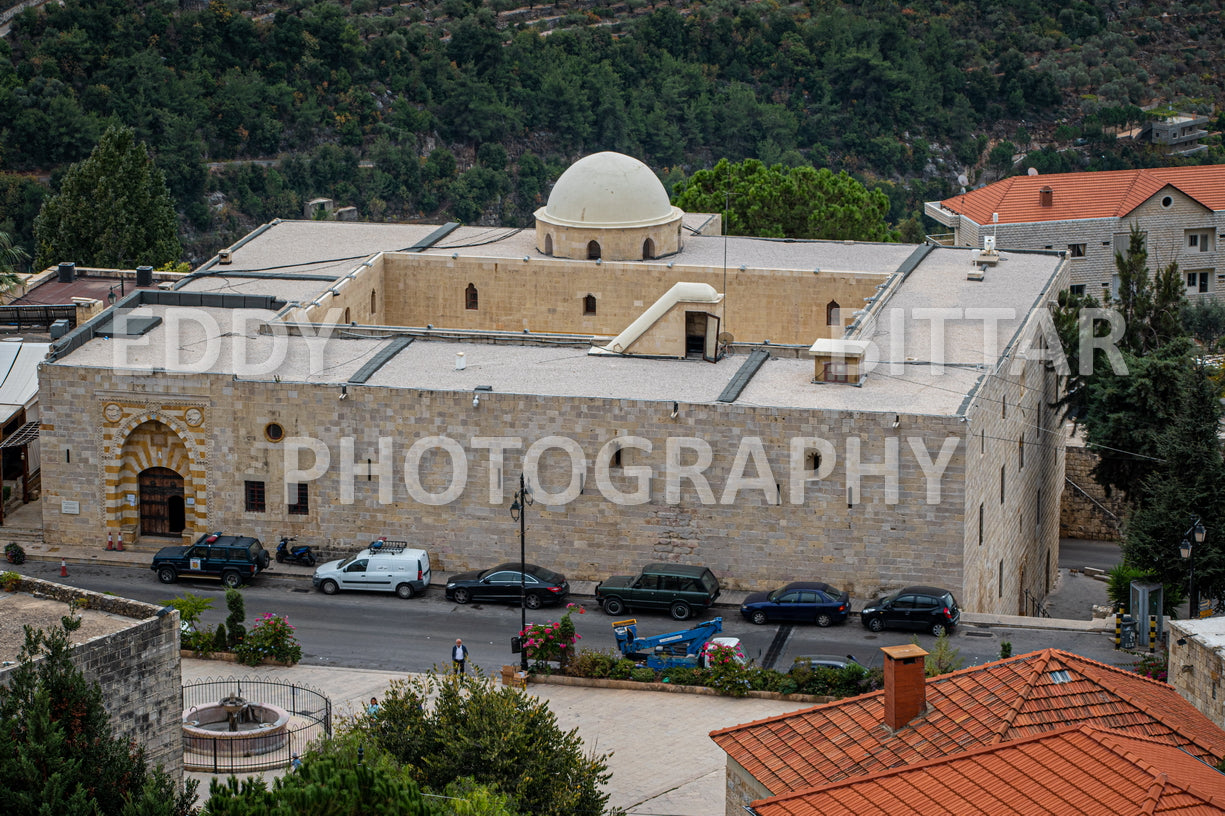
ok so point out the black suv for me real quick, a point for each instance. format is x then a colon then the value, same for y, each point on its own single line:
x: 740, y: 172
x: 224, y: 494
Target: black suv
x: 924, y: 608
x: 233, y: 559
x: 675, y: 587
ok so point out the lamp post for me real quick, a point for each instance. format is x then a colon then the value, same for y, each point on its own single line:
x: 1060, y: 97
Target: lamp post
x: 518, y: 512
x: 1196, y: 534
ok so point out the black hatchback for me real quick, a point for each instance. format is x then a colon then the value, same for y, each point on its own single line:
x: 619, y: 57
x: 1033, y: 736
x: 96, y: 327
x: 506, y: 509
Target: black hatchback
x: 538, y: 587
x: 922, y: 608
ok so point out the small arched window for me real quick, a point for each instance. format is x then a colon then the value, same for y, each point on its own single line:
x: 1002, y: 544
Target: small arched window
x: 648, y: 249
x: 593, y: 251
x: 831, y: 314
x: 548, y: 243
x: 346, y: 320
x: 373, y: 304
x: 470, y: 300
x: 589, y: 305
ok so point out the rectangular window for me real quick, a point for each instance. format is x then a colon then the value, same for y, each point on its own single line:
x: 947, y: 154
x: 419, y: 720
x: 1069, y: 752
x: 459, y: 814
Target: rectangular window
x: 837, y: 373
x: 1193, y: 240
x: 1077, y: 288
x: 980, y: 525
x: 301, y: 506
x: 1001, y: 484
x: 1001, y: 579
x: 255, y: 497
x: 1021, y: 452
x: 1076, y: 250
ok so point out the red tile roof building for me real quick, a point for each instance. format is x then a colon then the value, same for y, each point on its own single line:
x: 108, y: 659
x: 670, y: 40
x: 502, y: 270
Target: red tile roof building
x: 1181, y: 210
x: 1072, y: 770
x: 996, y: 703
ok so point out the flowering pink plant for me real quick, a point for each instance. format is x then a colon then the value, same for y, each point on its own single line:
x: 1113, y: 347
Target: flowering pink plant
x: 554, y: 640
x: 270, y: 638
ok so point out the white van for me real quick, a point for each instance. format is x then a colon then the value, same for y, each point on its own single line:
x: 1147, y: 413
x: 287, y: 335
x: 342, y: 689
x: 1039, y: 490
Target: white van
x: 386, y: 566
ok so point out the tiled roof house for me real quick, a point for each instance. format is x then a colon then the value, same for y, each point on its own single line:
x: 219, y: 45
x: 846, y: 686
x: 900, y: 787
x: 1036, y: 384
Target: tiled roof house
x: 914, y: 720
x: 1079, y: 769
x: 1181, y: 210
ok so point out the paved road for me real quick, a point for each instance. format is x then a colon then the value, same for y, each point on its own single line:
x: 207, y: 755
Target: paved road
x: 383, y: 632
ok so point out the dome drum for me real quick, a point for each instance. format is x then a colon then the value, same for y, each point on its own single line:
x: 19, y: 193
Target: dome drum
x: 624, y: 244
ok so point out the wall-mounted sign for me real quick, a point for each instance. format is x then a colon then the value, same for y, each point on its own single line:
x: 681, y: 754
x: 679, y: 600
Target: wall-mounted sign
x: 131, y: 500
x: 190, y: 501
x: 70, y: 508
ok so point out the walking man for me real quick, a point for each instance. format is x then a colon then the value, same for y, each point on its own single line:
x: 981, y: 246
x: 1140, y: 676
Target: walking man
x: 459, y: 655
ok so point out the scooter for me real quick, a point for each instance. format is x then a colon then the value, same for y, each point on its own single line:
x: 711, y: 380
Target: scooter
x: 294, y: 555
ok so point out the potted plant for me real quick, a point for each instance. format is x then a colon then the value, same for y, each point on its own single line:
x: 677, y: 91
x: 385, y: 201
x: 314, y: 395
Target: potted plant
x: 14, y: 553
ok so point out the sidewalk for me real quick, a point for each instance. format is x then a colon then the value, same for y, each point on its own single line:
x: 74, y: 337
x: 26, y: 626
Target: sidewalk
x: 662, y: 760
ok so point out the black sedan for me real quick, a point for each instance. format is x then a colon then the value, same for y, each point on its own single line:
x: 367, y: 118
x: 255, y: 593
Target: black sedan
x: 502, y: 583
x: 805, y: 601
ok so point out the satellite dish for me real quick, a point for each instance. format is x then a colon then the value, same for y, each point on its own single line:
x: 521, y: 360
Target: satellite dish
x: 726, y: 337
x: 963, y: 180
x: 1033, y: 171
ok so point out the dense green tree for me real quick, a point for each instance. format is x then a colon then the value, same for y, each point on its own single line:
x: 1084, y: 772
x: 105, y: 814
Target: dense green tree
x: 112, y: 210
x: 12, y: 259
x: 778, y: 202
x: 450, y: 727
x: 1186, y: 480
x: 58, y: 754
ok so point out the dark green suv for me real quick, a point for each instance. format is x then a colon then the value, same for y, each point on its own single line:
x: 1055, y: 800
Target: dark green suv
x: 678, y: 588
x: 233, y: 559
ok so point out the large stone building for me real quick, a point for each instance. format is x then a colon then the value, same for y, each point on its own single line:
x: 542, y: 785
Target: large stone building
x: 869, y: 414
x: 1090, y: 216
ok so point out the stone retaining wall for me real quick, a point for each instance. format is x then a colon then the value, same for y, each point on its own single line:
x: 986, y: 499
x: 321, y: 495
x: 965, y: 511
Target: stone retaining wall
x: 138, y: 669
x: 1086, y: 511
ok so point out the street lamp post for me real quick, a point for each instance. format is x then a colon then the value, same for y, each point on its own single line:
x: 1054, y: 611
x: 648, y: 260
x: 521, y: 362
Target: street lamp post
x: 1196, y: 534
x: 518, y: 512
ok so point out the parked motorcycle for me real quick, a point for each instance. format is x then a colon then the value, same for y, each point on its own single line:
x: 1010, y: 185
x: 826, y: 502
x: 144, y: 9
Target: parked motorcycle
x: 295, y: 555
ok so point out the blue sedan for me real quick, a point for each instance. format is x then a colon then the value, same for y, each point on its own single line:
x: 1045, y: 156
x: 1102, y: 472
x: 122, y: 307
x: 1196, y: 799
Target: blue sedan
x: 802, y: 601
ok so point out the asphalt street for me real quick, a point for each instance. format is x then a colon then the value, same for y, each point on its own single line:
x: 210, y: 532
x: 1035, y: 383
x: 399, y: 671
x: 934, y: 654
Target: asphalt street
x: 382, y: 632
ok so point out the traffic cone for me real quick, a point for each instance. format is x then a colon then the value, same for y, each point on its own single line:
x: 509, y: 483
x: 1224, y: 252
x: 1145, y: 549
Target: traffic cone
x: 110, y: 540
x: 63, y: 568
x: 120, y: 547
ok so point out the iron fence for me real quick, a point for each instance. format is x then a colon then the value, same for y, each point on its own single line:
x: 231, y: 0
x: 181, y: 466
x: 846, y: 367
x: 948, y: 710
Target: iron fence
x: 262, y: 741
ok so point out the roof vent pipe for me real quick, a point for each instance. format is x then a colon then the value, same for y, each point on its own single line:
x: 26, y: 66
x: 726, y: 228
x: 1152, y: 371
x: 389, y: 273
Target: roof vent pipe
x: 68, y: 272
x: 460, y: 361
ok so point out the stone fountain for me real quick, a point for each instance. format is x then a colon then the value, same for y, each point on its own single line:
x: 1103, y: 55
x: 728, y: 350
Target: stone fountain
x: 234, y: 727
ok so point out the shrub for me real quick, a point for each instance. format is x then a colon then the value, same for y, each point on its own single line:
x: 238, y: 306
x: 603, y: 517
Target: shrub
x: 15, y: 553
x: 235, y: 629
x: 727, y: 674
x: 643, y: 674
x: 684, y: 676
x: 220, y: 643
x: 270, y: 638
x: 592, y: 664
x: 9, y: 581
x: 1154, y: 666
x: 623, y: 669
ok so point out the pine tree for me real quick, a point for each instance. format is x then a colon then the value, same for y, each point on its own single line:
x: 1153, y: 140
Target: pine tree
x: 112, y: 210
x: 58, y: 752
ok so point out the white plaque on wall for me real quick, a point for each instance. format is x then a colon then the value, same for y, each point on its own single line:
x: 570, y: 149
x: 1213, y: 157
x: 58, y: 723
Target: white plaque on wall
x: 190, y: 501
x: 70, y: 507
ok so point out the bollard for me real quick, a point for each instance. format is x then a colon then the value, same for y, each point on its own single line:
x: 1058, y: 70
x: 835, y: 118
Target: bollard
x: 110, y: 540
x: 63, y: 568
x: 120, y: 547
x: 1152, y: 632
x: 1118, y: 627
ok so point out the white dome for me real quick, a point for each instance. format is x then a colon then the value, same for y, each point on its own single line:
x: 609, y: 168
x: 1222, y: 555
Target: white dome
x: 608, y: 190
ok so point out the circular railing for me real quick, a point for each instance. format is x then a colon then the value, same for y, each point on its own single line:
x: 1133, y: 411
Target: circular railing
x: 310, y: 717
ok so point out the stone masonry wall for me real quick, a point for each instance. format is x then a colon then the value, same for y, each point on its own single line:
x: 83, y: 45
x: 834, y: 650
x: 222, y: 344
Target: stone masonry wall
x: 1086, y: 511
x: 749, y: 538
x: 742, y: 788
x: 1197, y: 664
x: 137, y: 668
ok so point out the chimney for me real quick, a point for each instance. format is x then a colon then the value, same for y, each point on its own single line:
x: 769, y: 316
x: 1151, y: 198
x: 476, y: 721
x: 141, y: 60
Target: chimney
x: 1046, y: 197
x: 905, y: 685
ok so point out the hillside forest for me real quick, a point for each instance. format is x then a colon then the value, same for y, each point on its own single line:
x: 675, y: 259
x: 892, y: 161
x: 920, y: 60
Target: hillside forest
x: 468, y: 110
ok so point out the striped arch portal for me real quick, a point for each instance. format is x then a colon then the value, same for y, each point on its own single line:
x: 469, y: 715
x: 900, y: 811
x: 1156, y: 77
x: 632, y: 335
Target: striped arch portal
x: 157, y: 488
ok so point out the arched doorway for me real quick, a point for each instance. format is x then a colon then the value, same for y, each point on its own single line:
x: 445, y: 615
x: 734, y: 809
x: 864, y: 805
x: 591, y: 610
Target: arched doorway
x: 162, y: 506
x: 593, y: 250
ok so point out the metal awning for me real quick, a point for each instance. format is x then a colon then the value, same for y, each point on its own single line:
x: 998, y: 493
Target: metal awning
x: 24, y: 435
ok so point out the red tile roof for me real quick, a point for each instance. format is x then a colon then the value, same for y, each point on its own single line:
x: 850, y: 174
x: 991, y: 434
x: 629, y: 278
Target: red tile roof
x: 1110, y: 194
x: 994, y: 703
x: 1073, y: 770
